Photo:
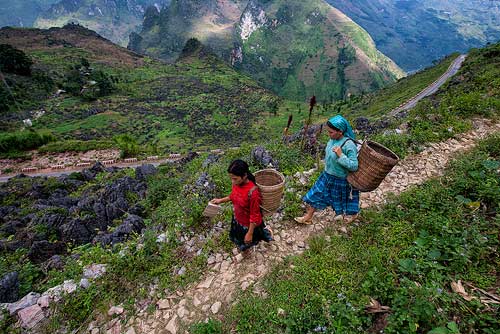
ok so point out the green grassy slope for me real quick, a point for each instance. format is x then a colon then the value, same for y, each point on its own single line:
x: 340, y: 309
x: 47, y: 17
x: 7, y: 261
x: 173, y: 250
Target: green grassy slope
x: 196, y: 103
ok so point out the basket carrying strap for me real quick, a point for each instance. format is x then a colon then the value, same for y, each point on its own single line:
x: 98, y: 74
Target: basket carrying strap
x: 250, y: 192
x: 357, y: 153
x: 354, y: 141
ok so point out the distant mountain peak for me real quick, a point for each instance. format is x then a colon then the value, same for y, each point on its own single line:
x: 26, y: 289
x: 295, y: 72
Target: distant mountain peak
x: 113, y: 19
x: 415, y: 33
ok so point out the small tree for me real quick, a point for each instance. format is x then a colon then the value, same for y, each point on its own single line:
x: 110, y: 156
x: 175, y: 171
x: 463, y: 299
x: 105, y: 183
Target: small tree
x: 74, y: 81
x: 128, y: 145
x: 14, y: 61
x: 190, y: 47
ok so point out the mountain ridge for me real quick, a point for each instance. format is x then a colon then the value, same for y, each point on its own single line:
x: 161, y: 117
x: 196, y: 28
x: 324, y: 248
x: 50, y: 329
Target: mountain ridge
x: 416, y: 33
x: 274, y: 41
x: 114, y: 19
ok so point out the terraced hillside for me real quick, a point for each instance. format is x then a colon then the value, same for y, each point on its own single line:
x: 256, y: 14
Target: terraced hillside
x: 193, y: 103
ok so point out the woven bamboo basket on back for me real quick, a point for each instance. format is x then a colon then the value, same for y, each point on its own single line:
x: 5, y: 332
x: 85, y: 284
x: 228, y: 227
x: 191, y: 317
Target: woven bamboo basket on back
x: 271, y: 185
x: 375, y: 162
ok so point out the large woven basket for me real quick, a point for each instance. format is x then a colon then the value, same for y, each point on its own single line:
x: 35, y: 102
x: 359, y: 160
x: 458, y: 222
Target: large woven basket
x: 271, y: 184
x: 375, y: 162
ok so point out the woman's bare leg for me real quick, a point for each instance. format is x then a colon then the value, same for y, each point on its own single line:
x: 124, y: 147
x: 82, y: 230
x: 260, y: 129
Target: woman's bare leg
x: 309, y: 213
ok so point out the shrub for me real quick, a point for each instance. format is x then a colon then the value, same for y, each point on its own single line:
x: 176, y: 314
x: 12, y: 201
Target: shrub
x: 74, y: 81
x: 127, y: 144
x: 24, y: 140
x: 191, y: 46
x: 14, y: 61
x: 75, y: 146
x: 104, y: 85
x: 5, y: 99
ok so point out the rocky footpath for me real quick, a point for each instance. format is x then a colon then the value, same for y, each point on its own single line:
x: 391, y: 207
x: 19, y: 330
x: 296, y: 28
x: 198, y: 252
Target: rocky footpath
x: 230, y: 273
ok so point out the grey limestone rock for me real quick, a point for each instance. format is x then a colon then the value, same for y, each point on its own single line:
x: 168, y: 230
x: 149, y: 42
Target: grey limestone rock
x: 9, y: 287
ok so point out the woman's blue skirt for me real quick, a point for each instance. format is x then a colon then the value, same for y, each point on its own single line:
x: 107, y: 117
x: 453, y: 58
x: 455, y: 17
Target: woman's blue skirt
x: 333, y: 191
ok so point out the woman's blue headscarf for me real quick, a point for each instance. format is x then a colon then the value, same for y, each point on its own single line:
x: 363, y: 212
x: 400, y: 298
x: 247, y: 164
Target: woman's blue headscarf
x: 343, y: 125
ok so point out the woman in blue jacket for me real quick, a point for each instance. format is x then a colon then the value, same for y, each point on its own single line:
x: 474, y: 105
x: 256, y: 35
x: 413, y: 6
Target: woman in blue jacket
x: 332, y: 188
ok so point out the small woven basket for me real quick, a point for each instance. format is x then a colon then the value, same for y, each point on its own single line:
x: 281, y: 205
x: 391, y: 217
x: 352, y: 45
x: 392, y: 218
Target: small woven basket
x: 374, y: 163
x: 271, y: 185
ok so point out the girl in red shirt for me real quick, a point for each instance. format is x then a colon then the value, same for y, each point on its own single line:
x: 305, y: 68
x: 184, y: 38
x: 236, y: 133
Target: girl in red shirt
x: 247, y: 226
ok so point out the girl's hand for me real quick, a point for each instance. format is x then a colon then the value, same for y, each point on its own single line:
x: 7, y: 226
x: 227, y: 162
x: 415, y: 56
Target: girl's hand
x: 337, y: 150
x: 216, y: 201
x: 248, y: 238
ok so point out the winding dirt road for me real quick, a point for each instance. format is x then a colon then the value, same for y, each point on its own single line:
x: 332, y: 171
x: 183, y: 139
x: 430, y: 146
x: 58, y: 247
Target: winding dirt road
x: 431, y: 89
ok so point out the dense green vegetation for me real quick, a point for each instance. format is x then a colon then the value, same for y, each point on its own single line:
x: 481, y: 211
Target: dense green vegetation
x: 21, y: 87
x: 14, y: 61
x: 23, y: 140
x: 404, y: 255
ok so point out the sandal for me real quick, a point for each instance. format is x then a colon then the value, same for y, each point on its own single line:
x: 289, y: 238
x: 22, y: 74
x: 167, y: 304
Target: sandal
x: 338, y: 218
x: 301, y: 220
x: 271, y: 233
x: 350, y: 218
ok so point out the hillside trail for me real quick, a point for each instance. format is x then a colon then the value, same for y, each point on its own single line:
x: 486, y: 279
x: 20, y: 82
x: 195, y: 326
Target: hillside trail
x: 227, y: 275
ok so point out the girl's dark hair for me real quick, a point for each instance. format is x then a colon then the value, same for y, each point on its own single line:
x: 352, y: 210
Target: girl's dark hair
x: 331, y: 126
x: 240, y: 168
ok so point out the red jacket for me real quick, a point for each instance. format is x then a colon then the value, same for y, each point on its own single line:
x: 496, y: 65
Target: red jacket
x: 246, y: 210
